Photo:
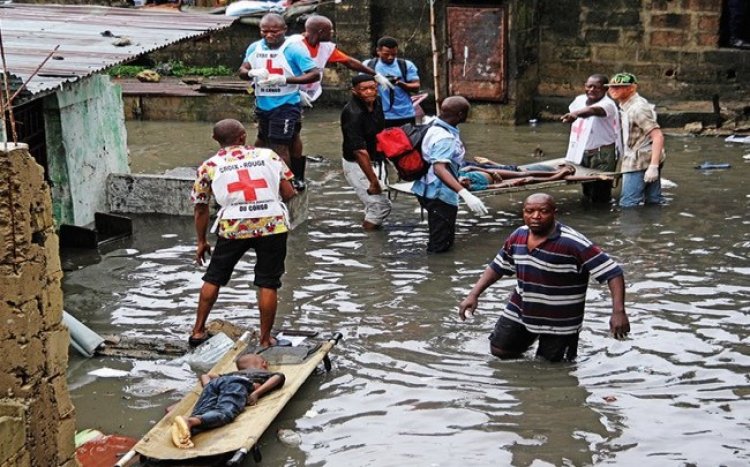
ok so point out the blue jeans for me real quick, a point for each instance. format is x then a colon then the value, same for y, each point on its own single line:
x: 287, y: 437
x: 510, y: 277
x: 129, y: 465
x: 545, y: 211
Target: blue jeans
x: 221, y: 401
x: 635, y: 191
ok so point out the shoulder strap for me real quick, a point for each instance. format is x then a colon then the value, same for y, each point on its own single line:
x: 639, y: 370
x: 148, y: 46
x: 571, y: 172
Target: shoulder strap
x: 371, y: 62
x: 402, y: 67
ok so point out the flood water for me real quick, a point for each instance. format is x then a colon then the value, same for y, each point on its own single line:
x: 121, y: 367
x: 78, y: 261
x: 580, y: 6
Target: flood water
x: 413, y: 385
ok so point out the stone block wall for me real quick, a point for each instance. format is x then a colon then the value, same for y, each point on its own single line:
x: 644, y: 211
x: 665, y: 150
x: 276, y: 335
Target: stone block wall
x: 671, y: 45
x: 37, y: 423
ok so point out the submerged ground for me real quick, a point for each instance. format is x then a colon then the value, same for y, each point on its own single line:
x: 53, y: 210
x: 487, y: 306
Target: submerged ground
x: 411, y: 384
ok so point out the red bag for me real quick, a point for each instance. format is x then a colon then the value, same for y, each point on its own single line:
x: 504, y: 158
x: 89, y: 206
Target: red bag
x: 403, y: 147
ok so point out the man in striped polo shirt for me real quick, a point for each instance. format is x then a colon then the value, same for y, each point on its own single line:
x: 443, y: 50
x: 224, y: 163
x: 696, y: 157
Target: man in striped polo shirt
x: 552, y: 263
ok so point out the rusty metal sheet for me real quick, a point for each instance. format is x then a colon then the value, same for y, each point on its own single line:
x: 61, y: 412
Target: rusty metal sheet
x: 477, y: 42
x: 31, y: 32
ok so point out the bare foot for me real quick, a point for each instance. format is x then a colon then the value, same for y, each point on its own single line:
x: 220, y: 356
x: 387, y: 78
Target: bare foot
x: 482, y: 160
x: 181, y: 433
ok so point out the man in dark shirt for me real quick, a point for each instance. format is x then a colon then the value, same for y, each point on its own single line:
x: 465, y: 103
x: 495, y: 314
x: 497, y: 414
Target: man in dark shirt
x: 364, y: 168
x: 225, y: 396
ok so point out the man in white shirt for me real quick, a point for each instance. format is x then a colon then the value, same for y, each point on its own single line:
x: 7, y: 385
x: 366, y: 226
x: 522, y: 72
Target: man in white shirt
x: 595, y: 135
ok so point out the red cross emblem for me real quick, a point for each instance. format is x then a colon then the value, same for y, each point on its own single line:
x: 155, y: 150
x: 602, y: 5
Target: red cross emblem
x: 247, y: 185
x: 578, y: 128
x: 272, y: 70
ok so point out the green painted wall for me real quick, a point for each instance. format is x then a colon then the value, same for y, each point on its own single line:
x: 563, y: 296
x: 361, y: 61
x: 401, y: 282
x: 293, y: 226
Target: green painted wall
x: 86, y: 141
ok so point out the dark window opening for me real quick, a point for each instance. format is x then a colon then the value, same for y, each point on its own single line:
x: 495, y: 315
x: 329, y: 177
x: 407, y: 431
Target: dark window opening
x: 29, y: 118
x: 735, y: 24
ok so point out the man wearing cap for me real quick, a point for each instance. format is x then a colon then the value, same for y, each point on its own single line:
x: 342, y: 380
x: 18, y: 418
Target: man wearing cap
x: 594, y: 136
x: 643, y: 142
x: 364, y: 168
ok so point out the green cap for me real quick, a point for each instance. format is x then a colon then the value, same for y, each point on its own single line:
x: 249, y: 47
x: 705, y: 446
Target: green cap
x: 622, y: 79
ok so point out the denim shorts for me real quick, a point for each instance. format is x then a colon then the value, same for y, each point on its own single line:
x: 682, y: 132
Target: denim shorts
x: 279, y: 125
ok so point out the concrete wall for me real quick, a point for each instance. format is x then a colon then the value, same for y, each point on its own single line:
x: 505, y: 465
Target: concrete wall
x: 671, y: 45
x: 37, y: 423
x: 86, y: 141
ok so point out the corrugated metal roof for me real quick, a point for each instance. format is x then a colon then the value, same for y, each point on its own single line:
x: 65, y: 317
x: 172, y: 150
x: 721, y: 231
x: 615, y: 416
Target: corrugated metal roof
x: 31, y: 32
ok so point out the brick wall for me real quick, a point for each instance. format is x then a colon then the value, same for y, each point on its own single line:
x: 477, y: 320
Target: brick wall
x: 671, y: 45
x: 37, y: 423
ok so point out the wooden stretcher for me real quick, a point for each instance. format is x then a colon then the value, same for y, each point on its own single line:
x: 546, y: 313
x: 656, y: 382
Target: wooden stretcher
x: 405, y: 187
x: 239, y: 437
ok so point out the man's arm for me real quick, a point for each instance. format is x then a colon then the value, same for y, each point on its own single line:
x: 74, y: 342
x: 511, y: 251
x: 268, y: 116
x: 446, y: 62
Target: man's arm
x: 286, y: 190
x: 244, y: 70
x: 202, y: 217
x: 355, y: 65
x: 589, y: 111
x: 364, y: 162
x: 310, y: 76
x: 274, y: 382
x: 657, y: 145
x: 408, y: 86
x: 469, y: 304
x: 619, y: 325
x: 443, y: 172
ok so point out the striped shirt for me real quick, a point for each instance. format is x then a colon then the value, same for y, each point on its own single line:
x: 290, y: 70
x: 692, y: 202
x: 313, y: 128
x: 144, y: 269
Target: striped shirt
x: 552, y: 279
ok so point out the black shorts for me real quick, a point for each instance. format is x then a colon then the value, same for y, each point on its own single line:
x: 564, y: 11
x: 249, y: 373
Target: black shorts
x: 279, y: 125
x: 514, y: 338
x: 270, y: 251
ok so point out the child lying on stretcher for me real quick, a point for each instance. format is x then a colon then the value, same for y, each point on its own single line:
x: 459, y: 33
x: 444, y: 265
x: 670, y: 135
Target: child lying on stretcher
x: 477, y: 178
x: 225, y: 396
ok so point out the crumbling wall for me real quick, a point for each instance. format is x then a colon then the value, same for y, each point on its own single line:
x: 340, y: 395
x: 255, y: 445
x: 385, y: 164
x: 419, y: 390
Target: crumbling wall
x: 672, y: 46
x: 37, y: 423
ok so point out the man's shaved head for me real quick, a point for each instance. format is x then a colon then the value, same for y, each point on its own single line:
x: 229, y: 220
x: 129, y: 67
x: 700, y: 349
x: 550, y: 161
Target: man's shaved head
x: 316, y: 22
x: 454, y: 109
x: 541, y: 198
x: 228, y: 132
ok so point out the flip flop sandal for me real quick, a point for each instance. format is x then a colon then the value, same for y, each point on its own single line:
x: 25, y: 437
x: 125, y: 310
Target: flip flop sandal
x: 196, y: 341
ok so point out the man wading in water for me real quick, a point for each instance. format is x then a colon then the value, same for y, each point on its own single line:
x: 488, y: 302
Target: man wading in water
x: 552, y: 263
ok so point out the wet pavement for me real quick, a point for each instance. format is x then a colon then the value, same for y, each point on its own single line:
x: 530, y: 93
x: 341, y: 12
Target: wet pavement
x: 412, y: 384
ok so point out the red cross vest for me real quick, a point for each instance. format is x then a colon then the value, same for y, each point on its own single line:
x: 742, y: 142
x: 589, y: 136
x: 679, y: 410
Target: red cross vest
x: 247, y: 188
x: 275, y: 62
x: 325, y: 50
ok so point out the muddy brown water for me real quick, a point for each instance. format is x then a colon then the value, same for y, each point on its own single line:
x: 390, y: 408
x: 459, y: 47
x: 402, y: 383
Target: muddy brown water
x: 410, y: 383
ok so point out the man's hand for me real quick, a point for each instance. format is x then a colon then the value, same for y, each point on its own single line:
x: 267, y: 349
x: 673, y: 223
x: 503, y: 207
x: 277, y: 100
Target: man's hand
x: 305, y: 99
x: 474, y: 203
x: 375, y: 188
x: 383, y: 81
x: 273, y: 80
x: 252, y: 399
x: 260, y: 73
x: 467, y: 307
x: 652, y: 174
x: 201, y: 251
x: 569, y: 117
x: 619, y: 325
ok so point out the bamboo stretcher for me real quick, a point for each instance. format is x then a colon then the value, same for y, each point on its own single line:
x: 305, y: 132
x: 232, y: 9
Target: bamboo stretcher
x: 240, y: 436
x: 405, y: 187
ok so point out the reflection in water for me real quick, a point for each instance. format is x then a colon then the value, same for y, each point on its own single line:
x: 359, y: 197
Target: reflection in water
x: 413, y: 385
